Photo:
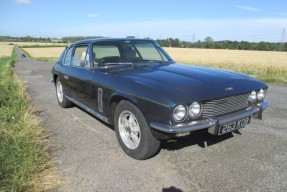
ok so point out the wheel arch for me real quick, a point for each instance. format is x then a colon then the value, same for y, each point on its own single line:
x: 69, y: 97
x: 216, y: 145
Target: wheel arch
x: 115, y: 99
x: 55, y: 76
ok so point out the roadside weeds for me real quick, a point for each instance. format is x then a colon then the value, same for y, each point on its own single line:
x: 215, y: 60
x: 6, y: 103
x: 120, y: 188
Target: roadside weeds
x: 25, y: 156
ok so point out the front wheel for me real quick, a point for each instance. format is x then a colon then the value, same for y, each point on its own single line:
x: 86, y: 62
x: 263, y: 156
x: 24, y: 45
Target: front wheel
x: 133, y: 133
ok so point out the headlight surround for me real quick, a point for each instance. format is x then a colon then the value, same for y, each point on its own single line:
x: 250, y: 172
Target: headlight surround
x: 179, y: 113
x: 253, y: 96
x: 261, y: 95
x: 194, y: 109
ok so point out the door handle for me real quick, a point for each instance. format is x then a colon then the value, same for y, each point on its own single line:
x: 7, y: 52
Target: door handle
x: 66, y: 76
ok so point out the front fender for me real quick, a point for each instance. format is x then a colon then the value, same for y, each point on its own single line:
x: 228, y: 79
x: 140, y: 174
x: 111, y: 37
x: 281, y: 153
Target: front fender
x: 155, y: 106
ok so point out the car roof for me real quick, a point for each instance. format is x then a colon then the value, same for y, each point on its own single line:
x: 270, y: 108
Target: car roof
x: 109, y: 39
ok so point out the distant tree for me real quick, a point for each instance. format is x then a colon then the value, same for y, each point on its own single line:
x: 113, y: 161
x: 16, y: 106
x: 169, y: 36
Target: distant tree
x: 131, y: 37
x: 208, y: 39
x: 174, y: 42
x: 208, y: 43
x: 218, y: 45
x: 262, y: 46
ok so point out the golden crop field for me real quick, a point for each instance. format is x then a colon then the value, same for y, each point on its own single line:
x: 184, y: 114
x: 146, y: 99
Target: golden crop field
x: 269, y: 66
x: 5, y: 49
x: 237, y: 59
x: 241, y: 60
x: 50, y: 52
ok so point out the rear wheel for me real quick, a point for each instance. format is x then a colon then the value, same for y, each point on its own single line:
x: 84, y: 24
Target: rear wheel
x: 133, y: 133
x: 62, y: 100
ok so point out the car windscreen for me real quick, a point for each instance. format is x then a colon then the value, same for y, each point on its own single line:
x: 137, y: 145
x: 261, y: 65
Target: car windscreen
x: 105, y: 53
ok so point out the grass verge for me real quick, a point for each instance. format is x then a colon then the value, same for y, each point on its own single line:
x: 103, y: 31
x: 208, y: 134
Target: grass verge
x: 24, y: 158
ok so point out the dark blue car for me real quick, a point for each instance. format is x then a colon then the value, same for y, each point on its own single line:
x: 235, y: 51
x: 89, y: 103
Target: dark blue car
x: 134, y: 85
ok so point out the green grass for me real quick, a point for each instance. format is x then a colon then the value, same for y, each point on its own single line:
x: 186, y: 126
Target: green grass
x: 271, y: 76
x: 23, y: 156
x: 268, y: 77
x: 27, y: 54
x: 54, y: 59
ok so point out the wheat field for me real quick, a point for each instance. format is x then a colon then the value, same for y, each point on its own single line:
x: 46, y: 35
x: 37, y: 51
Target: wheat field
x: 50, y: 52
x: 5, y: 49
x: 240, y: 60
x: 269, y: 66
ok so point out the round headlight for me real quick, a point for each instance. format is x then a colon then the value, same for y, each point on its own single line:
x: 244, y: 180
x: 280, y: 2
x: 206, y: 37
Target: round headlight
x: 194, y: 109
x: 261, y: 94
x: 252, y: 96
x: 179, y: 113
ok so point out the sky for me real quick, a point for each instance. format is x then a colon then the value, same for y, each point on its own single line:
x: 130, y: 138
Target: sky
x: 190, y: 20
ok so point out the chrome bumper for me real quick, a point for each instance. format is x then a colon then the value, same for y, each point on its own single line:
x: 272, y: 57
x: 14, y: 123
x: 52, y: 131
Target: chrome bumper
x: 212, y: 123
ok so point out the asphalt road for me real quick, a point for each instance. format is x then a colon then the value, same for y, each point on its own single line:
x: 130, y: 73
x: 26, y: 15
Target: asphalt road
x: 90, y: 159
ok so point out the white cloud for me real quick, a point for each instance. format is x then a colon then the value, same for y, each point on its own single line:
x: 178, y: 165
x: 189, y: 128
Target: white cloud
x: 93, y: 15
x: 23, y: 1
x: 247, y: 8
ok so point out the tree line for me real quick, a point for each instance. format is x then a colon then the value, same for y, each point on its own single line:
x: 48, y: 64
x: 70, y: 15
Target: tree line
x: 72, y: 39
x: 208, y: 43
x: 25, y: 39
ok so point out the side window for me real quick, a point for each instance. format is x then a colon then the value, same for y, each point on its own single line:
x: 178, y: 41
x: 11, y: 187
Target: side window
x: 80, y: 57
x: 105, y: 53
x: 68, y: 56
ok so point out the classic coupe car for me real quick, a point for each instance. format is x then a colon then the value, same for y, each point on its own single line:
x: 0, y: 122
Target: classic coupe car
x: 134, y: 85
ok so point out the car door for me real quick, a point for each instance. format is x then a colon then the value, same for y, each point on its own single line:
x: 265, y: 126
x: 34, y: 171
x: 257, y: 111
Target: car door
x: 78, y: 74
x: 64, y: 70
x: 97, y: 92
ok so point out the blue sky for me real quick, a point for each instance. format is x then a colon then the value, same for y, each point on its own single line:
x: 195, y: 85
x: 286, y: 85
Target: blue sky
x: 249, y: 20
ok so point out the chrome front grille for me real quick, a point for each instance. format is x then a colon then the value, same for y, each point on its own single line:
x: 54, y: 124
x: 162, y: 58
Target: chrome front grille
x: 225, y: 105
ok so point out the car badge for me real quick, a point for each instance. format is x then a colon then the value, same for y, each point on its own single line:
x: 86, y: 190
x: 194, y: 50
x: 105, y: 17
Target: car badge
x: 229, y: 89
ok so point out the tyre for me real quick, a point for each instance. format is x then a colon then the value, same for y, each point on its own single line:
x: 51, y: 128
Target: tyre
x: 133, y: 133
x: 60, y: 93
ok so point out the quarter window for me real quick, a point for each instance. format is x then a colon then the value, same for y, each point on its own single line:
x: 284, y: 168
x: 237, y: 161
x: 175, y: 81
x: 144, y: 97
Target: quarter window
x: 68, y: 56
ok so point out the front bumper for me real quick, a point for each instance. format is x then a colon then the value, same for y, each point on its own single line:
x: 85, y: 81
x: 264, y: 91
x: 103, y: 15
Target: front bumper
x: 211, y: 123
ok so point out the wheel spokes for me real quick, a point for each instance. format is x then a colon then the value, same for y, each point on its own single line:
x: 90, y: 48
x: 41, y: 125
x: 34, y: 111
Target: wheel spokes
x: 129, y: 129
x: 135, y: 135
x: 60, y: 92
